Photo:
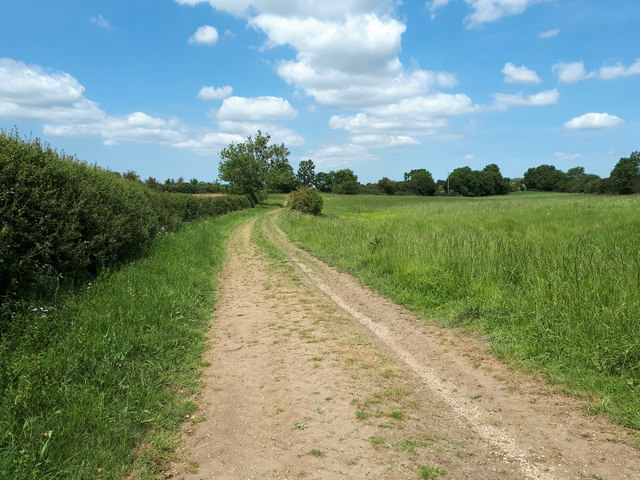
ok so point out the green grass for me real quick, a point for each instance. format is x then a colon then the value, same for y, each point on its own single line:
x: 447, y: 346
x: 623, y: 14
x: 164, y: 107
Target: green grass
x: 101, y: 383
x: 552, y: 279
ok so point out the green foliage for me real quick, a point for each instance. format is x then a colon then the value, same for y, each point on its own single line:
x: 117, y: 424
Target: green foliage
x: 626, y: 174
x: 475, y: 183
x: 114, y: 366
x: 306, y: 173
x: 552, y: 279
x: 306, y: 200
x: 247, y: 166
x: 544, y: 177
x: 420, y: 182
x: 63, y: 221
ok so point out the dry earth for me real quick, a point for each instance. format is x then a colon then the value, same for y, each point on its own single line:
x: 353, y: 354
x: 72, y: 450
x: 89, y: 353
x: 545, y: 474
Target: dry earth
x: 314, y: 376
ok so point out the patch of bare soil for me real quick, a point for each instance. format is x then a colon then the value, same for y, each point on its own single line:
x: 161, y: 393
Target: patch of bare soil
x: 314, y: 376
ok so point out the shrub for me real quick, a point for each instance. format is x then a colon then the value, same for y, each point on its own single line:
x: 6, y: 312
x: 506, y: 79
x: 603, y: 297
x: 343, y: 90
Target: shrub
x: 62, y: 221
x: 306, y: 200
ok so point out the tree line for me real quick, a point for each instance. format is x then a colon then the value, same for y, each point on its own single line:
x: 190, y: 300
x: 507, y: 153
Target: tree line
x: 255, y: 166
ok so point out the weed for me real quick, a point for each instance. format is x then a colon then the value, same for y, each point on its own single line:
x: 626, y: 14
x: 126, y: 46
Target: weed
x: 300, y: 426
x: 316, y: 452
x: 430, y: 471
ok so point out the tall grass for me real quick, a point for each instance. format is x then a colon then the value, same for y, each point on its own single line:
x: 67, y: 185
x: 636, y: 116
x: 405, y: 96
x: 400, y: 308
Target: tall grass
x: 552, y: 279
x: 82, y: 386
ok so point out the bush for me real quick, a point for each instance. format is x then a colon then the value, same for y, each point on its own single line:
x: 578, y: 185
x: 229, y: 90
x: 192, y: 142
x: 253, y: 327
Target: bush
x: 62, y: 221
x: 306, y: 200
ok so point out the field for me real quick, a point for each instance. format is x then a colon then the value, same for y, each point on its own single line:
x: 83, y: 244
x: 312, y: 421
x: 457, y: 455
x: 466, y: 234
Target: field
x: 552, y: 280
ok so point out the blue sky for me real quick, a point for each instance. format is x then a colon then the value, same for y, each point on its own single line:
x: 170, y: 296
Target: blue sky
x: 379, y: 86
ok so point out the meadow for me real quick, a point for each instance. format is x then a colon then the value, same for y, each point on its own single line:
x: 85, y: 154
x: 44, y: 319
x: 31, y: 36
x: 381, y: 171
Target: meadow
x: 95, y: 386
x: 551, y: 280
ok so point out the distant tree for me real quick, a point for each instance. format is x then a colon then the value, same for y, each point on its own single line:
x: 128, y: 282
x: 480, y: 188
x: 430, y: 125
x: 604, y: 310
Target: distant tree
x: 280, y: 178
x: 626, y: 174
x: 131, y: 175
x: 388, y: 186
x: 345, y: 182
x: 152, y: 183
x: 464, y: 181
x: 576, y: 172
x: 306, y: 173
x: 345, y: 175
x: 325, y: 181
x: 246, y: 165
x: 544, y: 177
x: 420, y: 182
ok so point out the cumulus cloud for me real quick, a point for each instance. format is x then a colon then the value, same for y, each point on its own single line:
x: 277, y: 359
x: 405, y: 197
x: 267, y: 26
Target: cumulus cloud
x: 571, y: 72
x: 513, y: 74
x: 213, y: 93
x: 593, y: 121
x: 27, y: 92
x: 575, y: 71
x: 100, y: 21
x: 503, y: 101
x: 339, y: 156
x: 485, y: 11
x: 618, y: 70
x: 327, y: 9
x: 549, y: 33
x: 257, y: 109
x: 206, y: 35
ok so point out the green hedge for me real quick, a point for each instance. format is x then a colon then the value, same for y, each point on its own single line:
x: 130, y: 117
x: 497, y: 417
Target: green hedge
x: 62, y: 221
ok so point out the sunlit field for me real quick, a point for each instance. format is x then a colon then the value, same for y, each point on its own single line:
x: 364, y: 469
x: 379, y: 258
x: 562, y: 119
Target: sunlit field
x: 553, y: 280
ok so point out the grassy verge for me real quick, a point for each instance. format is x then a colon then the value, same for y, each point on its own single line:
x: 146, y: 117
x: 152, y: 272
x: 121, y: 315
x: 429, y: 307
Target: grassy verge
x: 552, y: 279
x: 102, y: 382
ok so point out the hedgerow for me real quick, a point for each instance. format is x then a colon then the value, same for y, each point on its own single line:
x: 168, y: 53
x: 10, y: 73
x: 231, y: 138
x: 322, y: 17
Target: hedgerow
x: 62, y: 221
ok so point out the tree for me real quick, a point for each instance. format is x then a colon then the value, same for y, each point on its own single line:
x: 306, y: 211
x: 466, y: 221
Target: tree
x: 388, y: 186
x: 544, y: 177
x: 420, y: 182
x: 280, y: 178
x: 306, y: 173
x: 246, y: 165
x: 325, y: 181
x: 626, y: 174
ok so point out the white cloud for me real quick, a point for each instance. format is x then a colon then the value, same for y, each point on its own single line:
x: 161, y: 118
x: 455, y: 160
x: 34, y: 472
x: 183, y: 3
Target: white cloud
x: 503, y: 101
x: 593, y: 121
x: 213, y: 93
x: 575, y: 71
x: 614, y: 71
x: 27, y: 92
x: 571, y: 72
x: 522, y: 74
x: 469, y: 156
x: 341, y: 156
x: 549, y: 33
x: 327, y: 9
x: 100, y: 21
x: 258, y: 109
x: 206, y: 35
x: 379, y: 142
x: 564, y: 157
x: 485, y: 11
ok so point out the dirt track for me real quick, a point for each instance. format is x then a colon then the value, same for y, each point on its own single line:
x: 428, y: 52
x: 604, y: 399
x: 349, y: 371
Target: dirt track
x: 314, y: 376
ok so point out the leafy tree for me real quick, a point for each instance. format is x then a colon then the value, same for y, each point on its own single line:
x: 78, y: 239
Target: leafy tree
x: 544, y: 177
x: 306, y: 173
x: 420, y: 182
x: 388, y: 186
x: 280, y: 178
x: 306, y: 200
x: 325, y: 181
x: 131, y: 175
x: 246, y: 165
x: 626, y: 174
x: 576, y: 172
x: 345, y: 175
